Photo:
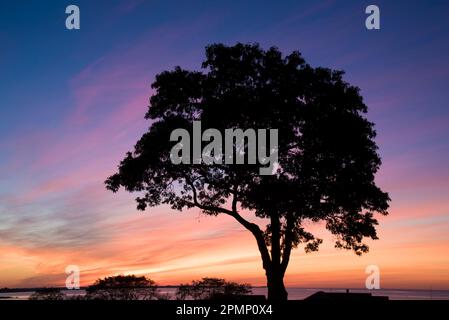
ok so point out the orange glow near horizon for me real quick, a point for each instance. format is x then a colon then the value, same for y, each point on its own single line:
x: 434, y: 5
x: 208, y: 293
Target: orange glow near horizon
x: 173, y: 247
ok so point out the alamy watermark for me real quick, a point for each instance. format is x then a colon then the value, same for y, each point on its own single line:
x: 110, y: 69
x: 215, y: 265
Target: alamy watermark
x: 73, y: 20
x: 72, y: 281
x: 373, y: 279
x: 372, y: 22
x: 250, y: 144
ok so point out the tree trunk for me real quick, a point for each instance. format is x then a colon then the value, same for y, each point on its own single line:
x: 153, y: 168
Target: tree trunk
x: 276, y: 288
x: 274, y: 267
x: 275, y: 273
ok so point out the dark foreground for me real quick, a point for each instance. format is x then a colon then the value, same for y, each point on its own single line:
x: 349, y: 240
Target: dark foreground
x: 229, y: 310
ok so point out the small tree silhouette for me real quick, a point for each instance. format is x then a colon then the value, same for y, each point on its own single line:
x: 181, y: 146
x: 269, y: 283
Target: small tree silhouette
x: 211, y: 288
x: 122, y: 287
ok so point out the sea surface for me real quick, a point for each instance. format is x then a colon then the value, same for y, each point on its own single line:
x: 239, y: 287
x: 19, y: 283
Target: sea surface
x: 293, y: 293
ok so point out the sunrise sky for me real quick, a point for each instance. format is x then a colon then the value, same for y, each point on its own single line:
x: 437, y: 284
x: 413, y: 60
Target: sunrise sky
x: 72, y: 103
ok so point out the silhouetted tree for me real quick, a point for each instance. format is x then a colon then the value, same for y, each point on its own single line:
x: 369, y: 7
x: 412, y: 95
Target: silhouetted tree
x: 48, y: 294
x: 122, y: 287
x: 327, y: 153
x: 211, y: 288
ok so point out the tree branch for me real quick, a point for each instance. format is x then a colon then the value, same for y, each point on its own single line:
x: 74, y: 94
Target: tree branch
x: 287, y: 242
x: 252, y: 227
x: 275, y: 240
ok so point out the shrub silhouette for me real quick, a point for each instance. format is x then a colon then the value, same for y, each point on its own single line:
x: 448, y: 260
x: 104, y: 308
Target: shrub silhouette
x: 211, y: 288
x: 48, y: 294
x: 122, y: 287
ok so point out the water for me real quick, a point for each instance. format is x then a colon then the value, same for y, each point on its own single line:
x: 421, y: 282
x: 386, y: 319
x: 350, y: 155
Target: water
x: 293, y: 293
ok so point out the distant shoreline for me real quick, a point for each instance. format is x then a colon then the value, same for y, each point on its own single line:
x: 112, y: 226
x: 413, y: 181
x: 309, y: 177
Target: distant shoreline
x: 294, y: 293
x: 5, y: 290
